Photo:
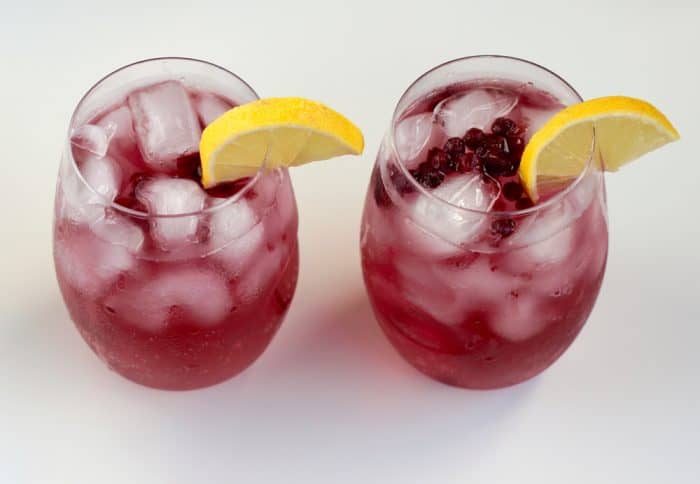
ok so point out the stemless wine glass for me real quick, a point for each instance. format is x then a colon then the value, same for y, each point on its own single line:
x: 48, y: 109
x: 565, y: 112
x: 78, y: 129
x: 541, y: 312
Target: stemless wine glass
x: 472, y: 284
x: 172, y: 286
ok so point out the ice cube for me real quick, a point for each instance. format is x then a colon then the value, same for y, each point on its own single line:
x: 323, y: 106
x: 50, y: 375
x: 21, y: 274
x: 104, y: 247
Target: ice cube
x: 84, y: 201
x: 235, y: 234
x: 478, y: 281
x: 266, y: 268
x: 475, y: 109
x: 511, y: 304
x: 119, y: 127
x: 472, y: 191
x: 209, y: 107
x: 230, y: 222
x: 543, y: 250
x: 119, y: 230
x: 423, y: 289
x: 165, y: 122
x: 531, y: 258
x: 103, y: 176
x: 585, y: 257
x: 545, y: 238
x: 122, y: 140
x: 202, y: 294
x: 91, y: 138
x: 240, y: 253
x: 415, y: 135
x: 90, y: 264
x: 172, y: 196
x: 418, y: 240
x: 447, y: 220
x: 548, y: 235
x: 519, y: 317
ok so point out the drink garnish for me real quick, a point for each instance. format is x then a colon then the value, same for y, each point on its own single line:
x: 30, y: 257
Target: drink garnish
x: 276, y: 132
x: 625, y: 129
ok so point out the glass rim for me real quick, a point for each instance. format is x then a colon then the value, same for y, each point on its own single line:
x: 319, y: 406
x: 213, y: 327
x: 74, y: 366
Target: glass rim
x: 422, y: 191
x: 112, y: 204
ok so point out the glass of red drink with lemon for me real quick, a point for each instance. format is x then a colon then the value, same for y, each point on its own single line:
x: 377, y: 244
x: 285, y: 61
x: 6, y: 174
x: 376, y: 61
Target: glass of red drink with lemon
x: 484, y: 238
x: 176, y: 254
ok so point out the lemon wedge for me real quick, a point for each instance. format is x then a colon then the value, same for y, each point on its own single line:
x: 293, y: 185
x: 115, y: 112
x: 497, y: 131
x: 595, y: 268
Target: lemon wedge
x: 625, y: 129
x: 276, y: 132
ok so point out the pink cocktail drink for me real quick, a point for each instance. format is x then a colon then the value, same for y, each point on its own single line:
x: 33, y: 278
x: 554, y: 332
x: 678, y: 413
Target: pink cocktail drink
x: 474, y: 284
x: 172, y: 285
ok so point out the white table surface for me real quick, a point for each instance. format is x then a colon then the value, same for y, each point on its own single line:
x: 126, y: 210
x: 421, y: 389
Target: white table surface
x: 330, y: 400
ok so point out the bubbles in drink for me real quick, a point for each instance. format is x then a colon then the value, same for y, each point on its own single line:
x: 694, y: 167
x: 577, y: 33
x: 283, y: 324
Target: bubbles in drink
x: 166, y: 124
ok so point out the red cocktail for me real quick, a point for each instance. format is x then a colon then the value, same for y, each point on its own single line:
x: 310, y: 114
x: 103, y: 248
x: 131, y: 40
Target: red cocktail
x: 173, y: 286
x: 472, y: 282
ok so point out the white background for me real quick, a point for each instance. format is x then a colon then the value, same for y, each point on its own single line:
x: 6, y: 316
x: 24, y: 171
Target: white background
x: 330, y: 400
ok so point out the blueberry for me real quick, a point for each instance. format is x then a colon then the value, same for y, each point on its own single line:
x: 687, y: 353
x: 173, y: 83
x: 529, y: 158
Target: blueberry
x: 504, y: 126
x: 473, y: 138
x: 454, y: 146
x: 437, y: 158
x: 503, y: 227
